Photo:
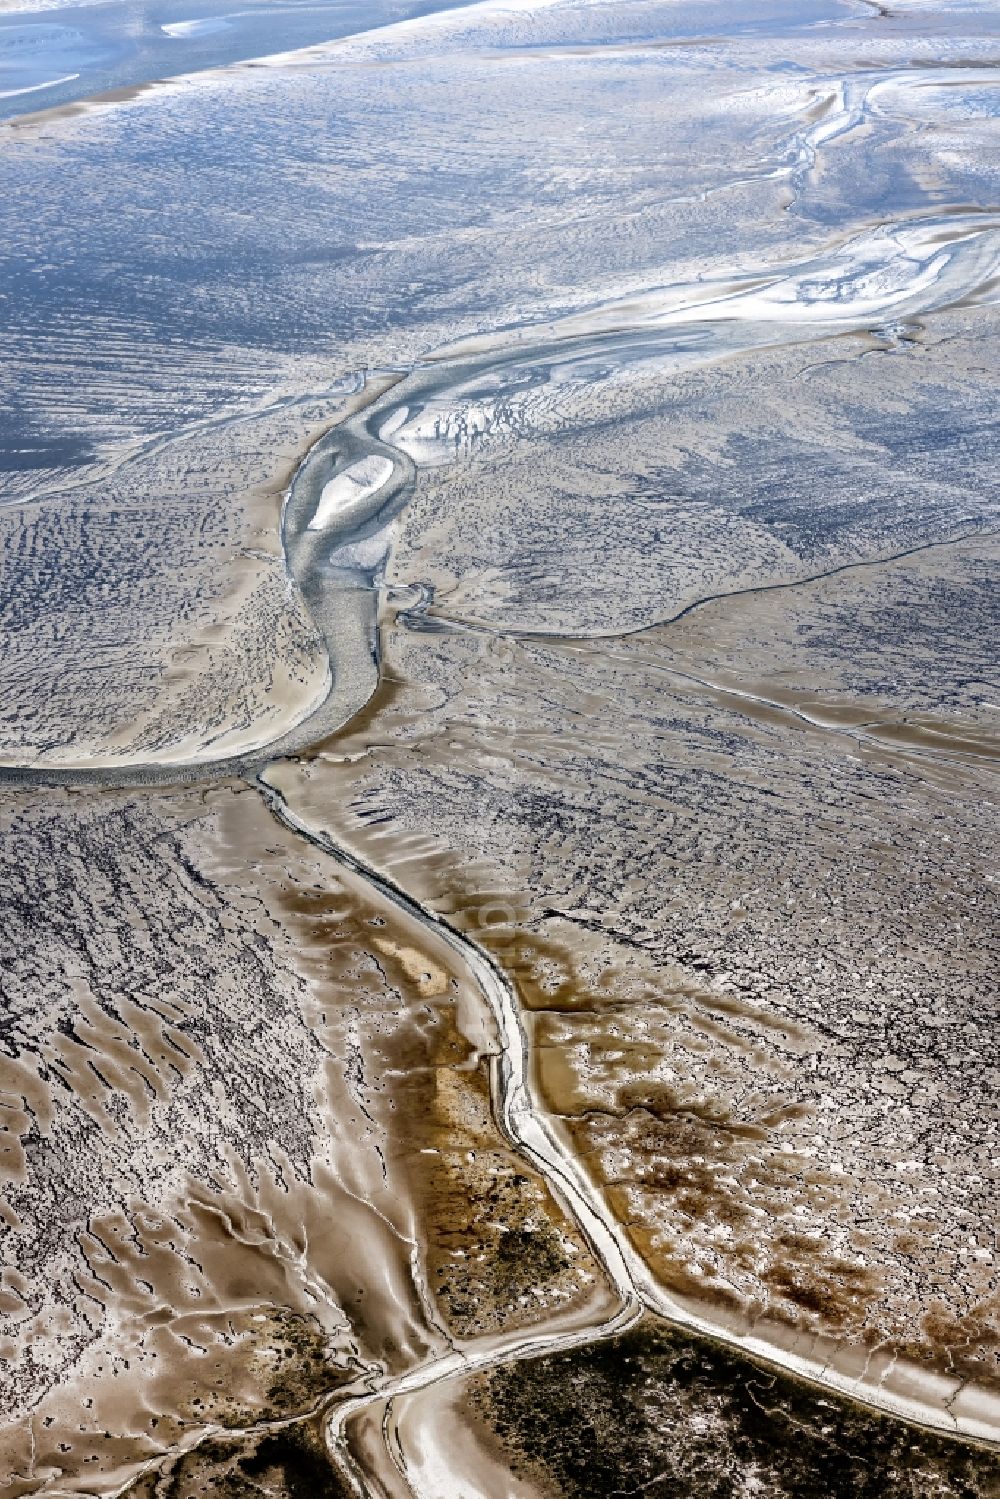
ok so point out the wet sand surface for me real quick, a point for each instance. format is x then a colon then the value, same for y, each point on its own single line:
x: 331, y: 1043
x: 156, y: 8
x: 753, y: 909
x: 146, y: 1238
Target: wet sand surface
x: 498, y: 738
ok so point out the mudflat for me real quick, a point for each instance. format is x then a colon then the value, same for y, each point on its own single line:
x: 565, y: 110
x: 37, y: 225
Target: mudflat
x: 498, y: 744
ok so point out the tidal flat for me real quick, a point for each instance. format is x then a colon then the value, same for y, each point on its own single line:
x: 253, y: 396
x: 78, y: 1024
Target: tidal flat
x: 498, y: 748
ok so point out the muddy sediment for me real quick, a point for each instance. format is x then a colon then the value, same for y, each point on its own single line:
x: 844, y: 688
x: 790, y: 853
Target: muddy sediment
x: 553, y: 886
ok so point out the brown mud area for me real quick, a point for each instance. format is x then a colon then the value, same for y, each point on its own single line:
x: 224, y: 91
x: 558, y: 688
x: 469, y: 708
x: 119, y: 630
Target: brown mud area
x: 497, y: 1249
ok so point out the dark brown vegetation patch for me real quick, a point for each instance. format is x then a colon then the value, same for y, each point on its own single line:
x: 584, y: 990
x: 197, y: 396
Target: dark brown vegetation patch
x: 655, y: 1413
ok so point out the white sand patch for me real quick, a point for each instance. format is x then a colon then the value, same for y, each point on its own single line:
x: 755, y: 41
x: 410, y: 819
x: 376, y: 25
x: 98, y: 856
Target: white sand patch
x: 369, y: 553
x: 355, y: 484
x: 206, y: 27
x: 394, y: 422
x: 32, y: 88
